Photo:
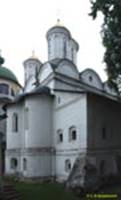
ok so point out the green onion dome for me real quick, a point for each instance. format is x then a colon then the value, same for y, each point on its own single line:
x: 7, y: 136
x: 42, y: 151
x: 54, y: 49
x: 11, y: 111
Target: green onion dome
x: 6, y: 73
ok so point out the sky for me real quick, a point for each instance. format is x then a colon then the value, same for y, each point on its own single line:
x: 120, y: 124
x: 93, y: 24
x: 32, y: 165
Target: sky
x: 24, y: 24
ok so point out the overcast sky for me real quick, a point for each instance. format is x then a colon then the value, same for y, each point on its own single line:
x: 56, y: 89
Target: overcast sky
x: 24, y: 23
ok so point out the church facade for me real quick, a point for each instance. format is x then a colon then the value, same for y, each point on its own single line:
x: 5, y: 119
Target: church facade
x: 9, y: 88
x: 62, y: 117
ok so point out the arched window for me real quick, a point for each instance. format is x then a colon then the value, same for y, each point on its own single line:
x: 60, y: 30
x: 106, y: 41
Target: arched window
x: 90, y: 78
x: 102, y: 167
x: 60, y: 136
x: 4, y: 88
x: 72, y: 133
x: 24, y: 164
x: 12, y: 92
x: 13, y: 163
x: 15, y: 122
x: 67, y: 165
x: 104, y: 132
x: 56, y: 43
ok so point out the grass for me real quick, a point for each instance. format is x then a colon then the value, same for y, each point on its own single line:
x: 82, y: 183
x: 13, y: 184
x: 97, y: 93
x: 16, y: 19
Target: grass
x: 55, y: 191
x: 45, y: 191
x: 116, y: 188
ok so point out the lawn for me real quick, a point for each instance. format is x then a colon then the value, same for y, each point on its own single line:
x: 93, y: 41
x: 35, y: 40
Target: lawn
x: 45, y: 191
x: 55, y: 191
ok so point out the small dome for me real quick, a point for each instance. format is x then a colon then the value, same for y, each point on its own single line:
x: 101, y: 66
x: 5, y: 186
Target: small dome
x: 7, y: 74
x: 33, y: 57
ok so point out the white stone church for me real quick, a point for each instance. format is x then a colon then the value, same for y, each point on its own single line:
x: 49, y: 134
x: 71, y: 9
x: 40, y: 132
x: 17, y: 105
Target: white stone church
x: 62, y: 117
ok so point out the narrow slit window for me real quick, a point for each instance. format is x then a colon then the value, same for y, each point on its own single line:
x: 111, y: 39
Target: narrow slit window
x: 15, y: 122
x: 60, y: 136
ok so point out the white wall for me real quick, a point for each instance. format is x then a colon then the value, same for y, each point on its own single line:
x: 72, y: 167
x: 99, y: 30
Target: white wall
x: 14, y: 138
x: 71, y: 111
x: 37, y: 165
x: 40, y: 122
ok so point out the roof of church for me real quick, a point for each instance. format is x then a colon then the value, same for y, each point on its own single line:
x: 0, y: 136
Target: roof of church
x: 55, y: 62
x: 90, y: 70
x: 37, y: 91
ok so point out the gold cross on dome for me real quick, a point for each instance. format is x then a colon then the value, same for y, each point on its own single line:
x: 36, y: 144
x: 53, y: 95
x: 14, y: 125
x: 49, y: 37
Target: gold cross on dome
x: 59, y: 16
x: 33, y: 56
x: 33, y: 53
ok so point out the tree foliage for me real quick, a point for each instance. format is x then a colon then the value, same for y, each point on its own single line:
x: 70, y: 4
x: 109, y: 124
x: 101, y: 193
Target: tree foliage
x: 111, y: 34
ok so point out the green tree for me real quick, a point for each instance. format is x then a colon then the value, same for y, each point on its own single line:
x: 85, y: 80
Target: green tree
x: 111, y: 34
